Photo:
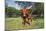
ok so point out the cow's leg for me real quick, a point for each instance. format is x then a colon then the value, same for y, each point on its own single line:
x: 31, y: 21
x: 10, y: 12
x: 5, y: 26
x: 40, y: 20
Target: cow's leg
x: 27, y: 21
x: 24, y: 21
x: 30, y: 20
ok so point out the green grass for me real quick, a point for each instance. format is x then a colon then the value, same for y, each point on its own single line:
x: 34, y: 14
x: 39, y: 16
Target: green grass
x: 16, y: 23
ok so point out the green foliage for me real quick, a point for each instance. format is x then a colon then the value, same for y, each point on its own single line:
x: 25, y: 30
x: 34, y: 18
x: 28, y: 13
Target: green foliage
x: 39, y: 9
x: 30, y: 10
x: 10, y: 11
x: 16, y: 12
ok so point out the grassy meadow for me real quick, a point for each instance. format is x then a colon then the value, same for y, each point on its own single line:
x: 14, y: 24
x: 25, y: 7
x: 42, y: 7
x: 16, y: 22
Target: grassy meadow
x: 16, y: 23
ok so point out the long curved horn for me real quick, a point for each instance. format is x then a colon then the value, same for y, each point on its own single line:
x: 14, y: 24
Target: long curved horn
x: 29, y: 7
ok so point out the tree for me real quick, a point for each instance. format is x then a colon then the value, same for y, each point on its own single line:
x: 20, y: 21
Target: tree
x: 10, y: 11
x: 39, y: 9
